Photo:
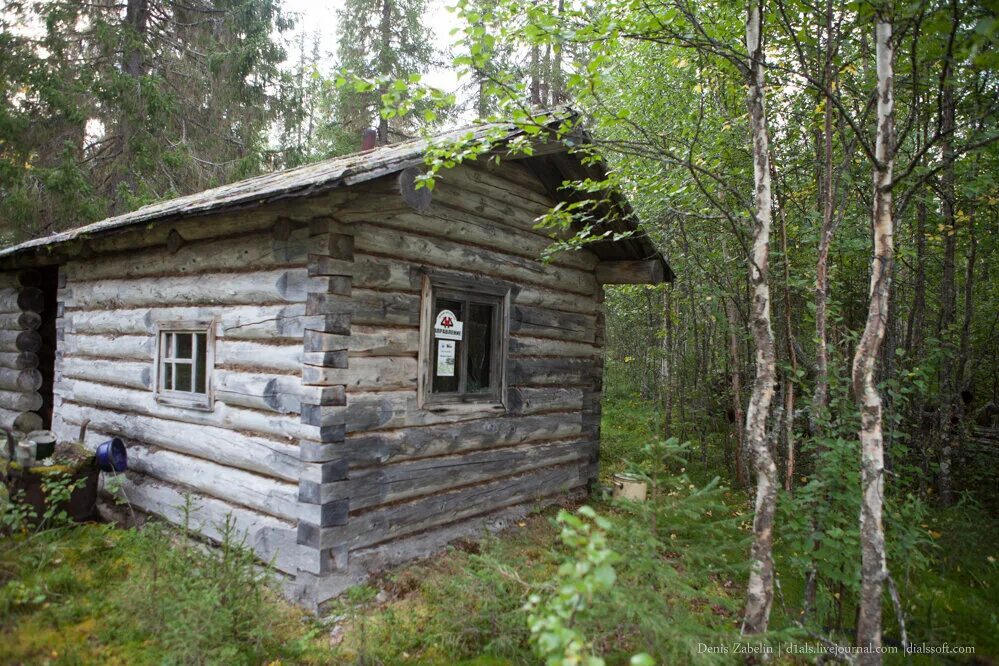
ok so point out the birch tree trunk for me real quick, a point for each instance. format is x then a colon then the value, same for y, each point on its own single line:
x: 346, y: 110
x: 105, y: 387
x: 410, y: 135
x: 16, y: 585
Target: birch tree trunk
x: 874, y: 569
x: 759, y: 596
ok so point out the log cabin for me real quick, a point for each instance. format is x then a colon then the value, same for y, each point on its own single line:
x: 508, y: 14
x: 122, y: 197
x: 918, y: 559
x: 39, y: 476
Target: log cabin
x: 356, y: 371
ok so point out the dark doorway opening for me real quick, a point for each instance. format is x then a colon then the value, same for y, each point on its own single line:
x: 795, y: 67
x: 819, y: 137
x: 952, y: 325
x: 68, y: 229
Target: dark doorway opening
x: 47, y: 330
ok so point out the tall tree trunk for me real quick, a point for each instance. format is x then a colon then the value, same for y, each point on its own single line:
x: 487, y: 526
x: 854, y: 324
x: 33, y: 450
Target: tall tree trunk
x: 133, y: 64
x: 874, y: 568
x: 759, y: 597
x: 948, y: 300
x: 792, y: 357
x: 735, y: 359
x: 666, y: 363
x: 914, y: 326
x: 557, y: 95
x: 385, y: 36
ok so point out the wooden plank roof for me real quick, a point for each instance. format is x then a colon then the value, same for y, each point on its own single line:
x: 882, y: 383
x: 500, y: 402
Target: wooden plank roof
x: 321, y: 177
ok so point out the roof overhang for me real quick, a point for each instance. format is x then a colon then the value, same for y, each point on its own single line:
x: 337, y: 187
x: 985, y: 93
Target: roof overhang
x: 552, y: 161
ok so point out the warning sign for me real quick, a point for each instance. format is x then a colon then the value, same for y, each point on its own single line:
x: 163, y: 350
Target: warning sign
x: 447, y: 326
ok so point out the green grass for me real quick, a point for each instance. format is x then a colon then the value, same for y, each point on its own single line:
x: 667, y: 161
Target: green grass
x: 97, y: 595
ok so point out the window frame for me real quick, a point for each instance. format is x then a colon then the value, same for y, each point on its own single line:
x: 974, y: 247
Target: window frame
x: 187, y: 399
x: 436, y: 284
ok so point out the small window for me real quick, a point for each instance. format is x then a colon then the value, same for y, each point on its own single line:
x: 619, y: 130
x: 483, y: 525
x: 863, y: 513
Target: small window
x: 184, y: 368
x: 464, y: 342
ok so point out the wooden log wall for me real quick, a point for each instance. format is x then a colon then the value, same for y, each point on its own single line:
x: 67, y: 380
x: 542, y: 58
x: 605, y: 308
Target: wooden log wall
x: 248, y: 272
x: 390, y: 476
x: 21, y: 305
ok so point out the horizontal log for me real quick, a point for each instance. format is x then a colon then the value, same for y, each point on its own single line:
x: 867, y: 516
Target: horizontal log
x: 362, y: 448
x: 20, y: 401
x: 382, y: 273
x: 368, y: 307
x: 28, y: 379
x: 229, y: 353
x: 452, y: 222
x: 398, y: 409
x: 545, y: 323
x: 414, y: 516
x: 284, y: 428
x: 18, y: 360
x: 131, y: 374
x: 448, y: 254
x: 126, y: 347
x: 260, y: 493
x: 219, y: 445
x: 20, y: 341
x: 424, y: 477
x: 20, y: 422
x: 521, y: 345
x: 255, y: 356
x: 552, y: 371
x: 526, y: 400
x: 366, y: 341
x: 249, y: 322
x: 271, y: 287
x: 271, y: 539
x: 20, y: 321
x: 273, y: 393
x: 386, y: 373
x: 259, y: 251
x: 651, y: 271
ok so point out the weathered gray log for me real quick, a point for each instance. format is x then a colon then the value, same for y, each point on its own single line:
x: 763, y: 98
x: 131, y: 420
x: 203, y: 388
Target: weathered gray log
x: 448, y: 254
x: 223, y: 446
x: 552, y: 371
x: 366, y: 341
x: 265, y: 287
x: 20, y: 421
x: 417, y: 198
x: 259, y: 251
x: 365, y: 447
x: 20, y: 341
x: 18, y: 360
x: 129, y: 374
x: 528, y: 346
x: 446, y: 222
x: 377, y: 372
x: 384, y: 410
x: 272, y: 540
x: 285, y: 428
x: 20, y: 321
x: 368, y: 307
x: 250, y: 322
x: 262, y: 494
x: 23, y: 381
x: 274, y: 393
x: 418, y: 478
x: 399, y: 275
x: 651, y: 271
x: 421, y: 514
x: 545, y: 323
x: 18, y: 401
x: 31, y: 299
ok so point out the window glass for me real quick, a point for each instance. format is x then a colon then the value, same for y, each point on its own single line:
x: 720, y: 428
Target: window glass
x: 463, y: 358
x: 184, y: 364
x: 184, y: 341
x: 446, y: 380
x: 478, y: 333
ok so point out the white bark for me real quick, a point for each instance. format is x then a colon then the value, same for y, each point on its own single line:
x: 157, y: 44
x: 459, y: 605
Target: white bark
x: 874, y: 569
x: 759, y: 597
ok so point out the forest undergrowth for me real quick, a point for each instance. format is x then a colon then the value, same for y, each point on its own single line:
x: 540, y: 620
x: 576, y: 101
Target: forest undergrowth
x: 97, y: 594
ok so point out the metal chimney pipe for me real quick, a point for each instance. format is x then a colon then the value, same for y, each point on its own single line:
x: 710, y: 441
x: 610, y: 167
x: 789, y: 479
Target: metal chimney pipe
x: 369, y: 138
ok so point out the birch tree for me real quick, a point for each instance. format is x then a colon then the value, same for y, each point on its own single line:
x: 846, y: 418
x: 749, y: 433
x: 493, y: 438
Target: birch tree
x: 759, y: 596
x: 874, y: 567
